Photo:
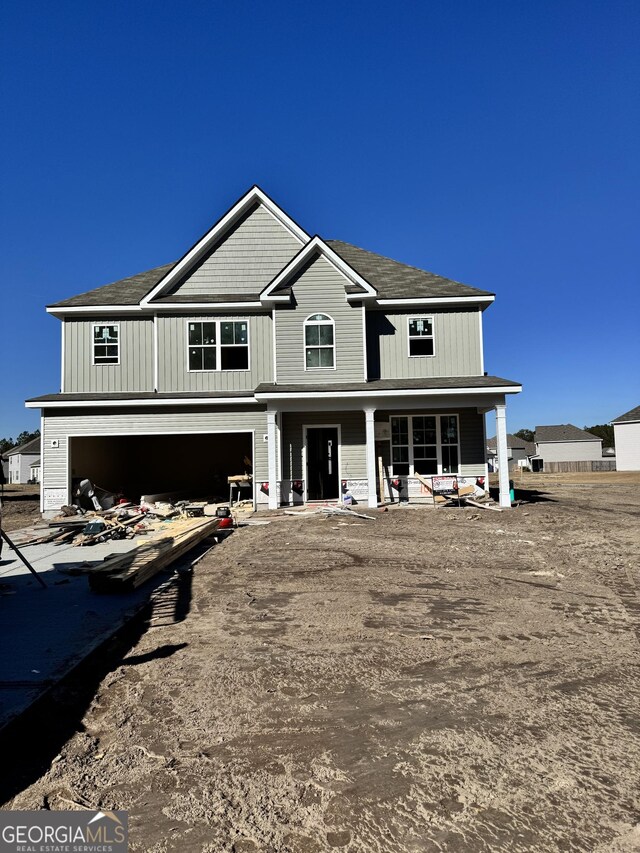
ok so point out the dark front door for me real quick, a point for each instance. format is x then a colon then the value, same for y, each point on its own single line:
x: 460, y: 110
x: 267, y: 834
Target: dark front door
x: 323, y: 482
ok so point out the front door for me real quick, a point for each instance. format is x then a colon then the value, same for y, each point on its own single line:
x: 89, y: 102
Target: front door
x: 323, y: 477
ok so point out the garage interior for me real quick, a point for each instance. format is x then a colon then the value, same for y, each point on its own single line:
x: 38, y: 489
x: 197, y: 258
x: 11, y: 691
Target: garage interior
x: 194, y: 466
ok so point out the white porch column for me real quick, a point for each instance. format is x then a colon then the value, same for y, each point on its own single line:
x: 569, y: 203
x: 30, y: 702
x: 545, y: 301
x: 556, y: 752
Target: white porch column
x: 272, y: 443
x: 371, y: 457
x: 503, y: 455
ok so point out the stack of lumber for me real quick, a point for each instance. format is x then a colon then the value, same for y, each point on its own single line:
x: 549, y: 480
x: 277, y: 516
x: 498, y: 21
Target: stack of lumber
x: 126, y: 572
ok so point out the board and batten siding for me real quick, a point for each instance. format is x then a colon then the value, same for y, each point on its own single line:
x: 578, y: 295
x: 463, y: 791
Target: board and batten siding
x: 569, y: 451
x: 471, y: 437
x: 353, y: 464
x: 457, y: 345
x: 319, y: 289
x: 627, y: 437
x: 133, y: 373
x: 173, y: 372
x: 245, y: 261
x: 58, y: 426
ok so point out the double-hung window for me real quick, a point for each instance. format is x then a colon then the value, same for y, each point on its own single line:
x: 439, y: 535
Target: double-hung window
x: 421, y: 336
x: 218, y: 345
x: 203, y: 350
x: 319, y: 342
x: 424, y: 444
x: 106, y: 346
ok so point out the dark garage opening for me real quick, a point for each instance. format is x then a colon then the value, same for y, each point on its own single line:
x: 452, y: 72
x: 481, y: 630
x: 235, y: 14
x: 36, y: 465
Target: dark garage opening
x: 195, y: 466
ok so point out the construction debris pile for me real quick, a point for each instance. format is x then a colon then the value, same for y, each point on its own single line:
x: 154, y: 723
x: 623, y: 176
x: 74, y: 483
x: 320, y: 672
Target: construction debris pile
x: 168, y: 531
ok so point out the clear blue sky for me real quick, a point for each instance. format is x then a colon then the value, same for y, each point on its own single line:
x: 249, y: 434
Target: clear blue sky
x: 492, y: 142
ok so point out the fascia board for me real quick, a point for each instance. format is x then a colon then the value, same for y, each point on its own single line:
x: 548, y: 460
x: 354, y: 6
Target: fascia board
x: 437, y: 300
x: 183, y: 401
x: 317, y: 244
x: 156, y: 308
x: 413, y: 392
x: 222, y: 225
x: 97, y: 309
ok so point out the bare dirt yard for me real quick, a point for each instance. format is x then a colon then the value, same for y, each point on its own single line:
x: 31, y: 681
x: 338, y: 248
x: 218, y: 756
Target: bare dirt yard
x: 432, y: 680
x: 20, y: 506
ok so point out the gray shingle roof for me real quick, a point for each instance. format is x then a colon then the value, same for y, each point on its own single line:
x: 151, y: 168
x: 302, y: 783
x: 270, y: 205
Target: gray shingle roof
x: 633, y: 415
x: 563, y: 432
x: 127, y: 291
x: 428, y: 384
x: 394, y: 280
x: 180, y: 396
x: 29, y: 447
x: 268, y: 387
x: 512, y: 441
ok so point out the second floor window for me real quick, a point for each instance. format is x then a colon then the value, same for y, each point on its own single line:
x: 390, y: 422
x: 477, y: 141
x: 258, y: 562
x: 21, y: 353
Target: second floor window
x: 218, y: 345
x: 319, y: 342
x: 106, y: 348
x: 421, y: 336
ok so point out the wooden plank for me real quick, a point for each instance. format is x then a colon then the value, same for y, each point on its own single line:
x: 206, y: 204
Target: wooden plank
x: 131, y: 570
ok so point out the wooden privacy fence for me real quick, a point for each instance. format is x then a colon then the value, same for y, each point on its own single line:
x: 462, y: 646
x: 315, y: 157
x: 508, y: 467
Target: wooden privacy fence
x: 579, y: 467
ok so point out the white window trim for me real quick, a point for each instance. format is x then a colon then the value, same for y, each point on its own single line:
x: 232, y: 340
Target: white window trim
x: 95, y: 363
x: 218, y: 344
x: 328, y: 322
x: 432, y: 336
x: 437, y: 416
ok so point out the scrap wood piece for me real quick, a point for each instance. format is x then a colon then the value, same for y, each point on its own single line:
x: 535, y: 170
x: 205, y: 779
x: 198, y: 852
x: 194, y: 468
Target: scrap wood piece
x: 129, y: 571
x: 335, y: 510
x: 484, y: 505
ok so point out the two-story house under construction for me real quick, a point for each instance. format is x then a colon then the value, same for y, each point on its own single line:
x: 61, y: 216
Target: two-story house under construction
x: 265, y: 350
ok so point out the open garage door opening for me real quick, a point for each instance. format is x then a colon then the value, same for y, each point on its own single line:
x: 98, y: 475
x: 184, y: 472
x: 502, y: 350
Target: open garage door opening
x: 187, y: 466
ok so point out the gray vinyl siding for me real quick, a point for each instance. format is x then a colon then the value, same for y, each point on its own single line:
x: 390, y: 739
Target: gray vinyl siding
x: 457, y: 345
x: 141, y: 421
x: 471, y: 435
x: 569, y: 451
x: 352, y: 436
x: 320, y: 288
x: 133, y: 373
x: 627, y: 446
x: 245, y: 261
x: 173, y: 373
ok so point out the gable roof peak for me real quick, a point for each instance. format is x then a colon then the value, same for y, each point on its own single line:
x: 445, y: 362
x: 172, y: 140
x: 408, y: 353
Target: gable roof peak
x: 255, y: 195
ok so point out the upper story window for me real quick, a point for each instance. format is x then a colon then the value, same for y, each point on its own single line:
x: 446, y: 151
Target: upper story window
x: 106, y: 346
x: 319, y: 342
x: 421, y: 336
x: 218, y: 345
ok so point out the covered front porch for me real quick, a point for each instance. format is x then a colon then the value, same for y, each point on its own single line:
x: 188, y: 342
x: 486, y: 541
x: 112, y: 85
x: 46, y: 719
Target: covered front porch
x: 369, y: 444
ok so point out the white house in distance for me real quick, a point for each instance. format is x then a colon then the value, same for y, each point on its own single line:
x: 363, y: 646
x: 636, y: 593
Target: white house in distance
x: 34, y: 469
x: 626, y: 430
x: 566, y: 443
x: 20, y: 459
x: 518, y: 452
x: 316, y: 360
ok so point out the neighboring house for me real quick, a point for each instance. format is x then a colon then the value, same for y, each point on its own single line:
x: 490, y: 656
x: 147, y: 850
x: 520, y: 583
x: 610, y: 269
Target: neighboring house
x: 34, y: 470
x: 626, y: 430
x: 565, y: 443
x: 518, y: 451
x: 20, y: 459
x: 310, y: 358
